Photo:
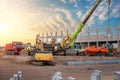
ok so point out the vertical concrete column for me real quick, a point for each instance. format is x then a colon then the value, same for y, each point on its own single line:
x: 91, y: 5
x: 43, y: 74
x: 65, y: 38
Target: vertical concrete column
x: 118, y: 38
x: 89, y: 37
x: 107, y: 34
x: 97, y: 36
x: 88, y: 44
x: 47, y: 37
x: 56, y: 34
x: 61, y: 35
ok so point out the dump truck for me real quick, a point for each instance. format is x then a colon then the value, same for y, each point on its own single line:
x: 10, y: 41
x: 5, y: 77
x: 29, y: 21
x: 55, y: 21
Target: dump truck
x: 14, y: 48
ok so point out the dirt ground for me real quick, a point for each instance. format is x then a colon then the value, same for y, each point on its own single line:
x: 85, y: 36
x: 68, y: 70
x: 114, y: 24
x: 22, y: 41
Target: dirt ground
x: 31, y: 72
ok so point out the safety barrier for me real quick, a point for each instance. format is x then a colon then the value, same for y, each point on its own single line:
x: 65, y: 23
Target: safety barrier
x: 73, y: 63
x: 17, y: 76
x: 116, y: 75
x: 96, y: 75
x: 58, y: 76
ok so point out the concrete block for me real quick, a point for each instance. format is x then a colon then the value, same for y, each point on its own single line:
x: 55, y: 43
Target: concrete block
x: 19, y: 75
x: 72, y: 63
x: 57, y: 76
x: 71, y: 78
x: 15, y: 77
x: 117, y: 75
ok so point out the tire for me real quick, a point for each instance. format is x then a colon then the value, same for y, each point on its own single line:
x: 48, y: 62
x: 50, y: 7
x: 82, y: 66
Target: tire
x: 10, y: 52
x: 89, y: 54
x: 77, y: 54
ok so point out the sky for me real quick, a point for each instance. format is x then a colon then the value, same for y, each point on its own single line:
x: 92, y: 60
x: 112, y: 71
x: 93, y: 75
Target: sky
x: 22, y: 20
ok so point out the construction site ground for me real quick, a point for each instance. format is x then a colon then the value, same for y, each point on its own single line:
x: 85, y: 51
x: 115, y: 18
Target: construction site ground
x: 10, y: 65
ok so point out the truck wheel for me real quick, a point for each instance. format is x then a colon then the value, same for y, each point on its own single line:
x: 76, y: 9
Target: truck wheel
x: 89, y: 54
x: 77, y: 53
x: 10, y: 52
x: 29, y: 53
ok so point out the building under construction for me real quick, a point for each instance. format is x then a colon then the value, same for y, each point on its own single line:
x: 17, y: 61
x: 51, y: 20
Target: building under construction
x: 88, y: 37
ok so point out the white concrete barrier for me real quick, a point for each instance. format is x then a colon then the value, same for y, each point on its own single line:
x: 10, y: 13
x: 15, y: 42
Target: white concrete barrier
x: 92, y: 62
x: 117, y: 75
x: 96, y: 75
x: 17, y: 76
x: 58, y: 76
x: 71, y: 78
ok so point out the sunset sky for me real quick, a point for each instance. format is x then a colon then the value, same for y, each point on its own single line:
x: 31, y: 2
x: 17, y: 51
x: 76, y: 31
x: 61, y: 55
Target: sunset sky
x: 22, y: 20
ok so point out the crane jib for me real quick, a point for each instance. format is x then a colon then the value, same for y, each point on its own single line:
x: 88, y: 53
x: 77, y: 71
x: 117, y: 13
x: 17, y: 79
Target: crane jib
x: 81, y: 25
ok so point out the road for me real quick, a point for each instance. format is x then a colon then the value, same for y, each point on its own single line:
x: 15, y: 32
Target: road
x: 31, y: 72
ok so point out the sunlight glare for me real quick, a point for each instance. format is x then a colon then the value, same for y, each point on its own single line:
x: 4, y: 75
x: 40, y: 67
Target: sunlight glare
x: 3, y: 29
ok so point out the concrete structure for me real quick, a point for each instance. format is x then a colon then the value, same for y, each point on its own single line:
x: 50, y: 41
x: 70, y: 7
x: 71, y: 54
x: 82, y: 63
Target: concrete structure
x: 89, y: 37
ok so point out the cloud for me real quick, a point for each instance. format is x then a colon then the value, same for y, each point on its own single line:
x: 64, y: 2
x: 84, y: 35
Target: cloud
x: 79, y: 14
x: 88, y: 0
x: 75, y: 3
x: 72, y: 1
x: 116, y: 11
x: 63, y: 23
x: 63, y: 1
x: 67, y: 14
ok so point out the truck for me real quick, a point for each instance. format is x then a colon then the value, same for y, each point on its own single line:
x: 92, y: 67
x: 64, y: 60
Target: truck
x: 14, y: 48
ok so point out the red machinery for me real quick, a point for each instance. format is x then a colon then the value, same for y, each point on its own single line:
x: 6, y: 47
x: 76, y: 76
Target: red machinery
x: 96, y: 50
x: 91, y: 50
x: 14, y: 48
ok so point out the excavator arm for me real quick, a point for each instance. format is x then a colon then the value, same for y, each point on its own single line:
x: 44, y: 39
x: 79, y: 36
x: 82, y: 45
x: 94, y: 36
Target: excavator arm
x: 39, y: 43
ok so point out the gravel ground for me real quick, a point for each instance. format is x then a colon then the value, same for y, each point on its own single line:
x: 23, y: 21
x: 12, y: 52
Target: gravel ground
x: 31, y: 72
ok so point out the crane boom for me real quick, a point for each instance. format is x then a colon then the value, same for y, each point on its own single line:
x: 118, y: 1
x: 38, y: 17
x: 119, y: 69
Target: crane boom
x: 81, y: 25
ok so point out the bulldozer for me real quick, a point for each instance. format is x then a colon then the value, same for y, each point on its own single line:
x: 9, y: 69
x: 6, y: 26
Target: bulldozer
x: 40, y: 56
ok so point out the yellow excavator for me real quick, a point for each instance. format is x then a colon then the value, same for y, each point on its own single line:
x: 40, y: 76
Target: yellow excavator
x: 58, y: 48
x: 40, y: 56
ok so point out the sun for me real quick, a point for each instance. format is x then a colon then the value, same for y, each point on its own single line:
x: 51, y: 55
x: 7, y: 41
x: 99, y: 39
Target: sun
x: 3, y: 29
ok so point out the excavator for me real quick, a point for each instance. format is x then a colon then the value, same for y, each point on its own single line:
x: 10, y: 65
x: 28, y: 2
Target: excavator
x: 72, y: 38
x: 41, y: 57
